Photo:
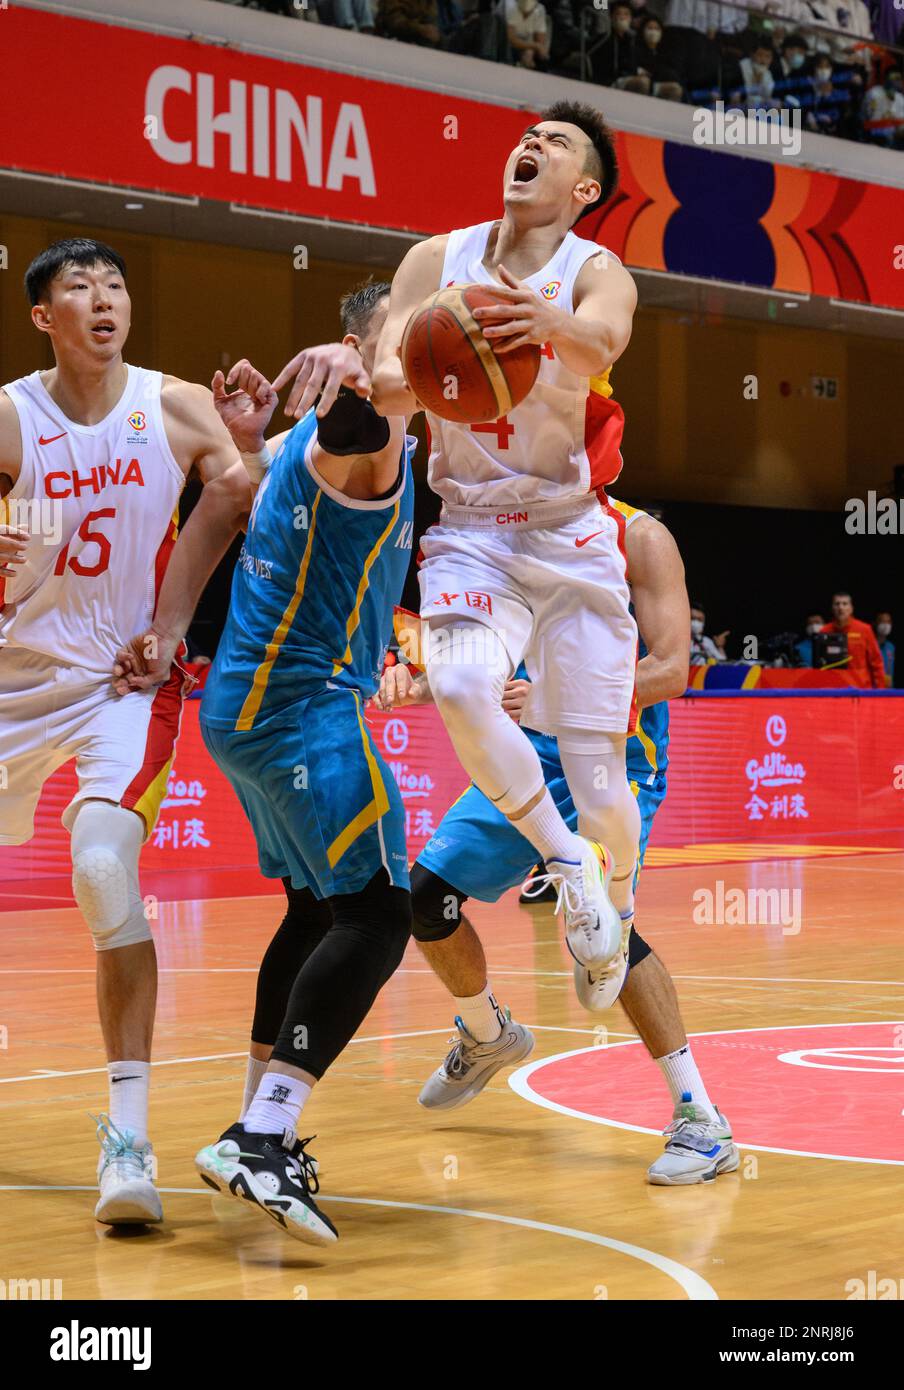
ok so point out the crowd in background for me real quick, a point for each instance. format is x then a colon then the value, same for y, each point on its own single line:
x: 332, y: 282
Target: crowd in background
x: 828, y: 59
x: 866, y: 652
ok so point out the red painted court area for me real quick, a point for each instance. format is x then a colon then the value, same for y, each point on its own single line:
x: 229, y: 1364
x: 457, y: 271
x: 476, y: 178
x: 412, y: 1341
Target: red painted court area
x: 830, y: 1091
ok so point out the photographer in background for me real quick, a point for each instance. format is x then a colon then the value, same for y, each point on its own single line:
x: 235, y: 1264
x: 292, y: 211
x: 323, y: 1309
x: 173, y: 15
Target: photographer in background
x: 704, y: 649
x: 804, y: 648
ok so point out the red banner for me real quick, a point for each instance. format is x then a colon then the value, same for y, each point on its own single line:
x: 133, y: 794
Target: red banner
x: 774, y: 770
x: 114, y: 105
x: 99, y: 102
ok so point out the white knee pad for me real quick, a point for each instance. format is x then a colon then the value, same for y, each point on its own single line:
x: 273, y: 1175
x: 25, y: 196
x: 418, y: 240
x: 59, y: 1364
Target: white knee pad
x: 106, y: 841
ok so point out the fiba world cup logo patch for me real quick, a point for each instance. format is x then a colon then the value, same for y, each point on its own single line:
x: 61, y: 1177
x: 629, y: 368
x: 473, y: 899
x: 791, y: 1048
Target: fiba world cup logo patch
x: 138, y: 422
x: 551, y: 289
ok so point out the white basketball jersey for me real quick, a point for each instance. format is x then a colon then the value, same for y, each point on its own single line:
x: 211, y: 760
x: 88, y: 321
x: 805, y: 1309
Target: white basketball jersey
x: 99, y: 503
x: 563, y: 439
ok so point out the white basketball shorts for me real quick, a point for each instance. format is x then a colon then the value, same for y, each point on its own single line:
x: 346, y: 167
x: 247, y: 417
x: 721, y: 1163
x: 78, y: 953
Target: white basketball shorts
x: 549, y: 578
x: 51, y: 712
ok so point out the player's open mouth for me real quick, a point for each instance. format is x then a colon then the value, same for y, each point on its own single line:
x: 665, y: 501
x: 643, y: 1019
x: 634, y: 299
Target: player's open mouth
x: 526, y: 169
x: 105, y: 328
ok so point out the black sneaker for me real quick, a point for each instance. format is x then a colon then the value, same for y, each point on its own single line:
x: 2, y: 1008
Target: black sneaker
x: 274, y: 1172
x: 548, y: 894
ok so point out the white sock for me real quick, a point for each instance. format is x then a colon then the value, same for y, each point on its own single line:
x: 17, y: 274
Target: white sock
x: 548, y: 833
x: 253, y: 1076
x: 129, y: 1086
x: 277, y: 1104
x: 481, y: 1015
x: 684, y: 1081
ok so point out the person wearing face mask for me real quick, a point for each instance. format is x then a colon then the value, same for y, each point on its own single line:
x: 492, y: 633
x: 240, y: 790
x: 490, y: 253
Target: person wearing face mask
x: 886, y: 646
x: 704, y: 649
x: 883, y: 111
x: 663, y: 79
x: 804, y: 648
x: 827, y: 100
x: 613, y: 59
x: 790, y: 71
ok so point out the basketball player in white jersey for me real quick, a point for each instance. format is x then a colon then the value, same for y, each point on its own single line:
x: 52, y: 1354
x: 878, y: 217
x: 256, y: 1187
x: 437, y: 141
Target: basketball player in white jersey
x: 524, y: 562
x: 93, y: 457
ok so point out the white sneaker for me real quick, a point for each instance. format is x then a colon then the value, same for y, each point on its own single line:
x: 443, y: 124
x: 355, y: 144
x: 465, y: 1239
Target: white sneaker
x: 697, y: 1148
x: 125, y: 1174
x: 598, y: 990
x: 593, y: 927
x: 471, y: 1064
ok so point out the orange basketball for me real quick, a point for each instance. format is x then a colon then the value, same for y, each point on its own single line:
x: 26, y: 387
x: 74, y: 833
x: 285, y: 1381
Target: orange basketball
x: 452, y: 368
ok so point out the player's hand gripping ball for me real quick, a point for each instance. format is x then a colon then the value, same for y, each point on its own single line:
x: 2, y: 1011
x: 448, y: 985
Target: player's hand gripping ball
x: 451, y: 366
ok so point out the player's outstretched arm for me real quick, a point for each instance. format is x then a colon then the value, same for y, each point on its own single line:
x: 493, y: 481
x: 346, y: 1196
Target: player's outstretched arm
x: 245, y: 402
x: 417, y: 277
x: 356, y: 451
x: 661, y: 606
x: 201, y: 442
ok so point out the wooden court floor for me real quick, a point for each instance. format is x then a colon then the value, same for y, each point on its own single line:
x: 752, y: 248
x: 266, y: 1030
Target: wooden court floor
x: 534, y: 1191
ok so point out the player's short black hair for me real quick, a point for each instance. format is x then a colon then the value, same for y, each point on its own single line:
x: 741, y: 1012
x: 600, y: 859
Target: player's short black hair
x: 357, y: 306
x: 74, y: 250
x: 601, y: 161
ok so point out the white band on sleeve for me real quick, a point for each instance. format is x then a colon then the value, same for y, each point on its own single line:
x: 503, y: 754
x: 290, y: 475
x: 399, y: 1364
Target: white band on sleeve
x: 256, y: 465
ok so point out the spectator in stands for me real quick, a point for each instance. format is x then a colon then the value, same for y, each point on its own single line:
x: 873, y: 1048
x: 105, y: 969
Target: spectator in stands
x: 704, y: 649
x: 886, y: 646
x: 353, y: 14
x: 757, y: 81
x: 883, y: 111
x: 528, y: 33
x: 827, y: 102
x: 658, y: 75
x: 804, y: 648
x: 614, y: 58
x: 865, y: 665
x: 790, y: 74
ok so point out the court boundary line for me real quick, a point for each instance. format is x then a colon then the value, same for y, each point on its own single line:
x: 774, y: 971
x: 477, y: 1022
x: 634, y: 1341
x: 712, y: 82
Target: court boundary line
x: 517, y: 1080
x: 694, y: 1285
x: 46, y: 1073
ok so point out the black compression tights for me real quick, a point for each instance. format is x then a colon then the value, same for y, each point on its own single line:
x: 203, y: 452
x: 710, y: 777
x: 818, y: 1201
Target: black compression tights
x: 324, y: 968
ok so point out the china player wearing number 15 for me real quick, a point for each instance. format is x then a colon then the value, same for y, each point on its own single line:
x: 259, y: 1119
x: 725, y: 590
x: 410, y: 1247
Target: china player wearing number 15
x: 93, y: 457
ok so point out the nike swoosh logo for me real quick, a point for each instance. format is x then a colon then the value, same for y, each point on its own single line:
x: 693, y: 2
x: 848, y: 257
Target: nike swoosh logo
x: 42, y: 440
x: 582, y: 540
x: 114, y: 1079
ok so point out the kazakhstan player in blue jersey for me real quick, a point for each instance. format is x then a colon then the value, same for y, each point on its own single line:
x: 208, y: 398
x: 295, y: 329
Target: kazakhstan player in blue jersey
x: 477, y: 852
x: 326, y: 553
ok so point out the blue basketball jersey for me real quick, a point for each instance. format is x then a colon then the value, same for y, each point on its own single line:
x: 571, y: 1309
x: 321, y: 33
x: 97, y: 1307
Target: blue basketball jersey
x: 313, y: 591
